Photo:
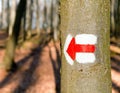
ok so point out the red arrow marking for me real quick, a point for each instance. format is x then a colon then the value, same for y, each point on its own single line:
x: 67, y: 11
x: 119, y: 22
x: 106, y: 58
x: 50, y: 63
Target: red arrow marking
x: 73, y: 48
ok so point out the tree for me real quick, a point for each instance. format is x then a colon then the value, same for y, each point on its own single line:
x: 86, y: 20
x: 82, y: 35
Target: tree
x: 3, y: 14
x: 12, y: 16
x: 85, y: 18
x: 55, y: 21
x: 14, y: 29
x: 4, y: 19
x: 28, y: 20
x: 117, y: 19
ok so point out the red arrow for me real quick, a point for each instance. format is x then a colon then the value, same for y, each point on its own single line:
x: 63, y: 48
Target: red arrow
x: 73, y: 48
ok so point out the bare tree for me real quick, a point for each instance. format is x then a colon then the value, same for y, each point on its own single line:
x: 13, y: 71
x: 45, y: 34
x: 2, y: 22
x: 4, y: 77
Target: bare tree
x: 34, y: 14
x: 117, y: 18
x: 3, y: 19
x: 28, y: 18
x: 8, y: 12
x: 41, y: 14
x: 37, y: 17
x: 12, y: 16
x: 48, y: 15
x: 4, y: 14
x: 1, y: 15
x: 14, y: 29
x: 55, y: 21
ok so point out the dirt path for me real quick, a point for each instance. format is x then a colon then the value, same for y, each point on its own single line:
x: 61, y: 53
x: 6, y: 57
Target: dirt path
x: 38, y: 71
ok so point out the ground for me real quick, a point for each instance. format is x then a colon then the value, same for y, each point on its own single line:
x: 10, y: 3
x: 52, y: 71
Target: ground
x: 38, y: 68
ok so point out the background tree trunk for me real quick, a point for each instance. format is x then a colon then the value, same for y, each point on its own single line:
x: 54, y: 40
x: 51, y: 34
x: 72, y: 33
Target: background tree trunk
x: 3, y: 11
x: 117, y: 32
x: 14, y: 27
x: 37, y: 17
x: 28, y: 19
x: 86, y: 17
x: 55, y: 21
x: 1, y: 15
x: 12, y: 16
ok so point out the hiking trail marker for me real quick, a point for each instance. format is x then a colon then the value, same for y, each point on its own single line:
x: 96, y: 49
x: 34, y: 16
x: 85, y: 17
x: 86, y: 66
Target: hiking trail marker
x: 80, y: 48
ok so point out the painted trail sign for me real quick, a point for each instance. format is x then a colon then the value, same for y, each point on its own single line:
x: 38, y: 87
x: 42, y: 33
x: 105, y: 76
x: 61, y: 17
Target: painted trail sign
x: 80, y: 48
x: 85, y: 60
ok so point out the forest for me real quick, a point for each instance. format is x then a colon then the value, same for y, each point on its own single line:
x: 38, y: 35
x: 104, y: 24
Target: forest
x: 32, y: 38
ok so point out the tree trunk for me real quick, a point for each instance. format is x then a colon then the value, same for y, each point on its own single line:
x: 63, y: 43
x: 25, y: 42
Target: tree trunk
x: 87, y: 21
x: 42, y: 14
x: 1, y: 15
x: 37, y: 17
x: 55, y: 20
x: 117, y: 32
x: 14, y: 27
x: 48, y: 15
x: 3, y: 11
x: 28, y: 19
x: 112, y: 17
x: 12, y: 16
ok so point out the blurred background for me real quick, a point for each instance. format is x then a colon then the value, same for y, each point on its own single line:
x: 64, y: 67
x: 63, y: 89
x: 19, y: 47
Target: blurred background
x: 115, y: 45
x: 30, y: 40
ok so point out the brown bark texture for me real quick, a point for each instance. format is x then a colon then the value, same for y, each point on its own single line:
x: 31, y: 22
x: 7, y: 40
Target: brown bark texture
x: 86, y: 17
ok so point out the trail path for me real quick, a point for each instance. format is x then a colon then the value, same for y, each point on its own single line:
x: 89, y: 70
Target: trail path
x: 38, y: 71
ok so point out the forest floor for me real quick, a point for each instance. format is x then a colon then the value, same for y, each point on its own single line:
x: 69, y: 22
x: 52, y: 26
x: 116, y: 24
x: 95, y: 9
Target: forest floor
x: 35, y: 73
x: 38, y: 69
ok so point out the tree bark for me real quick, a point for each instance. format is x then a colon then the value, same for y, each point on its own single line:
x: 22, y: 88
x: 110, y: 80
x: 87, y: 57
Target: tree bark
x: 112, y: 17
x: 28, y: 19
x: 3, y: 11
x: 37, y: 17
x: 86, y: 17
x: 12, y: 16
x: 55, y: 20
x: 117, y: 32
x: 42, y: 14
x: 1, y: 15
